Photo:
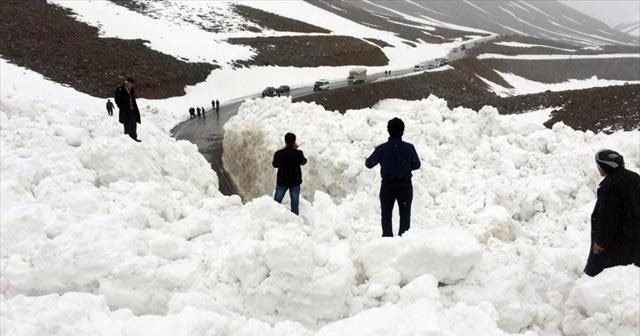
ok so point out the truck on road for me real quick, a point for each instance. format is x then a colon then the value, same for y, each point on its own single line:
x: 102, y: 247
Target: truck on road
x: 357, y: 76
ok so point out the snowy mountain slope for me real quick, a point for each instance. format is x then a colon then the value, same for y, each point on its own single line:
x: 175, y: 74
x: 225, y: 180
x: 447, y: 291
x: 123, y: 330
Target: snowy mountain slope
x: 631, y: 27
x: 125, y: 239
x: 543, y: 19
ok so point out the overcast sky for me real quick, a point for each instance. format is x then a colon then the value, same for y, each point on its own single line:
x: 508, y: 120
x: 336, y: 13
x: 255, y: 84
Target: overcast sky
x: 610, y: 12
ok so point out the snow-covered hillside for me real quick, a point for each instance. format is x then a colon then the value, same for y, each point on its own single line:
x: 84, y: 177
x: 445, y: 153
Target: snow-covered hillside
x: 631, y: 26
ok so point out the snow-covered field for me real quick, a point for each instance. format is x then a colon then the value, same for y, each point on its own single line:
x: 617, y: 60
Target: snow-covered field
x: 100, y: 235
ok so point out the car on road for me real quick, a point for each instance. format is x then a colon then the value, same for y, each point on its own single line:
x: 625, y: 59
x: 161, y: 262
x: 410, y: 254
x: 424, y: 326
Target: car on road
x: 321, y: 85
x: 283, y: 90
x: 269, y: 91
x: 418, y: 67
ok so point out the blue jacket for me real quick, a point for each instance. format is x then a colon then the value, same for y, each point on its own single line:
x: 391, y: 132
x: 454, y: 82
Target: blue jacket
x: 397, y: 159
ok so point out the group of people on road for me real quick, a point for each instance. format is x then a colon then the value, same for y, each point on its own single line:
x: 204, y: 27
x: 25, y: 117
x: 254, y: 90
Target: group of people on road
x: 197, y: 112
x: 615, y: 222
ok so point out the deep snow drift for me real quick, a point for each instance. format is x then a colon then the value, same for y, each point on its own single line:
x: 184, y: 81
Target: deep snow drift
x: 101, y: 235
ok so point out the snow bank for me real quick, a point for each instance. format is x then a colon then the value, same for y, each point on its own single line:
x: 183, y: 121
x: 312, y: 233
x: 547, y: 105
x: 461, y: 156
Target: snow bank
x: 523, y: 86
x: 103, y: 235
x: 521, y: 190
x: 607, y: 304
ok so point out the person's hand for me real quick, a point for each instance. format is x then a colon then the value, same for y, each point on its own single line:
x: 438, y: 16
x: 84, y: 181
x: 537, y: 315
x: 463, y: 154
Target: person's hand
x: 597, y: 248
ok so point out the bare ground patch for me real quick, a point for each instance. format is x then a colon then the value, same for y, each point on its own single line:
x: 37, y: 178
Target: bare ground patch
x: 46, y: 39
x: 276, y: 22
x: 311, y: 51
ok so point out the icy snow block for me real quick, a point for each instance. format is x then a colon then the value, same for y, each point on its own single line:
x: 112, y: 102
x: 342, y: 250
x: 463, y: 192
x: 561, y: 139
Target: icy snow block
x: 607, y: 304
x: 447, y: 254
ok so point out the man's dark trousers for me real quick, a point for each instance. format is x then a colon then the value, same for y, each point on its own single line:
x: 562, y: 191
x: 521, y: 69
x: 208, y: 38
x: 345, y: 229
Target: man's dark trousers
x: 130, y: 127
x: 389, y: 194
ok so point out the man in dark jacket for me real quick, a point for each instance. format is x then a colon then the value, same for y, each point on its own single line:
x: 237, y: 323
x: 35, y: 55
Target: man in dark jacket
x: 129, y: 115
x: 288, y: 161
x: 397, y: 159
x: 109, y: 107
x: 615, y: 221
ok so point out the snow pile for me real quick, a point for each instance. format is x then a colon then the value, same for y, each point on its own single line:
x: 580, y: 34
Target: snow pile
x: 608, y: 304
x: 103, y: 235
x: 521, y: 189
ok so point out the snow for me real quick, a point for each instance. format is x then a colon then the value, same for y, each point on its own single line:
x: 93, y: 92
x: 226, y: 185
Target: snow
x: 134, y: 238
x: 104, y: 236
x: 556, y: 56
x: 523, y: 86
x: 527, y: 45
x: 606, y: 304
x: 162, y: 35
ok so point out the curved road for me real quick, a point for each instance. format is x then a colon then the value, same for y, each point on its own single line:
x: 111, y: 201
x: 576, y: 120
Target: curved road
x: 208, y: 133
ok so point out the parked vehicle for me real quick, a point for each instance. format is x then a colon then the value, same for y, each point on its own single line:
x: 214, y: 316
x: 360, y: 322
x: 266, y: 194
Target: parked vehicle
x: 269, y: 91
x: 357, y: 76
x: 283, y: 90
x: 321, y: 85
x: 418, y: 67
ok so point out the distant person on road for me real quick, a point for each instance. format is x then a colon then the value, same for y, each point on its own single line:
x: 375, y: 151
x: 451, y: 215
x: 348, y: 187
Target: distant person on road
x: 203, y: 116
x: 109, y: 107
x: 397, y: 159
x: 192, y: 113
x: 198, y: 112
x: 213, y: 104
x: 288, y: 161
x: 128, y: 115
x: 615, y: 221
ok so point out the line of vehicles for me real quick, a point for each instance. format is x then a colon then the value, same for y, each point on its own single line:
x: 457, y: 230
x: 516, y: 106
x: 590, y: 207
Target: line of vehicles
x: 357, y: 75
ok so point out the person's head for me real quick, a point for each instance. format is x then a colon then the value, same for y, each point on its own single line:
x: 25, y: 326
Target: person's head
x: 608, y: 161
x: 289, y: 139
x: 129, y: 83
x: 395, y: 127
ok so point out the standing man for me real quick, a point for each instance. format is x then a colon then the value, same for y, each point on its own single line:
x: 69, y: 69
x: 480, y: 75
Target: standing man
x: 213, y: 105
x: 109, y: 107
x: 129, y: 115
x: 217, y: 107
x: 615, y: 221
x: 288, y: 161
x: 397, y: 159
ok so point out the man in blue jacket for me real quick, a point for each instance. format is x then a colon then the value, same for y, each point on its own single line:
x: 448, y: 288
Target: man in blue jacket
x: 397, y: 159
x: 288, y: 161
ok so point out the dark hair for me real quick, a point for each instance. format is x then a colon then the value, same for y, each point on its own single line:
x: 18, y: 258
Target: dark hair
x: 395, y: 127
x: 130, y: 80
x: 609, y: 160
x: 289, y: 139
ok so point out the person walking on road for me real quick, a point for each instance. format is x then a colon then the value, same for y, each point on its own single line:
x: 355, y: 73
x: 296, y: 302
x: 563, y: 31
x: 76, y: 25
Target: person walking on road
x: 217, y: 107
x: 213, y: 104
x: 109, y: 107
x: 615, y: 221
x: 397, y: 159
x: 288, y: 161
x: 203, y: 116
x: 192, y: 113
x: 129, y: 115
x: 198, y: 112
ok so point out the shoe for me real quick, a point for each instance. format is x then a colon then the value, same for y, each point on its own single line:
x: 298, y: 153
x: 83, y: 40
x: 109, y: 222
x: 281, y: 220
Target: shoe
x: 137, y: 140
